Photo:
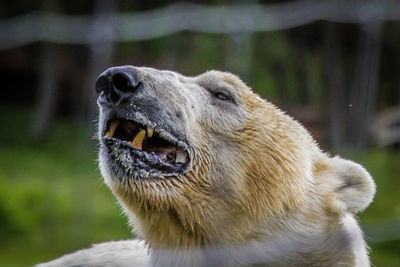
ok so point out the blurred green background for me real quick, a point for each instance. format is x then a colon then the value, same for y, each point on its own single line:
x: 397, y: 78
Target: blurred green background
x: 340, y: 78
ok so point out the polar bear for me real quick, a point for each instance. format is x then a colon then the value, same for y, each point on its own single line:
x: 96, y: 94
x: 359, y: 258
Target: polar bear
x: 210, y: 174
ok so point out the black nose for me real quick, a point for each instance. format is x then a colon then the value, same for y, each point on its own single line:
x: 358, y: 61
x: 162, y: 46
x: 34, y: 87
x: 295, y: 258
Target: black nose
x: 118, y: 83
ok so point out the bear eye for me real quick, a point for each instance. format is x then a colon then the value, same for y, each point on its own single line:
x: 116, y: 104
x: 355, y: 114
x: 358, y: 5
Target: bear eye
x: 221, y: 96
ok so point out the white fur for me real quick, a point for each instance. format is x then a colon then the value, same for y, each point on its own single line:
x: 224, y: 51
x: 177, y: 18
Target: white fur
x: 314, y: 227
x: 118, y: 254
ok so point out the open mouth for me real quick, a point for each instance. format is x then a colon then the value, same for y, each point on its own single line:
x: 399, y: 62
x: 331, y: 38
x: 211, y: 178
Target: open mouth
x: 152, y: 150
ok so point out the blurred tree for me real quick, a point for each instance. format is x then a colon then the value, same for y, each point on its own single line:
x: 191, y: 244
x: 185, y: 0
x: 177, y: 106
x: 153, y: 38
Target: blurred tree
x: 335, y: 89
x: 102, y: 37
x: 302, y: 48
x: 364, y: 88
x: 239, y: 46
x: 49, y: 74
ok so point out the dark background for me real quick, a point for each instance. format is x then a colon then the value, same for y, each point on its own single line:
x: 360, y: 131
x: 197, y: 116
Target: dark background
x: 335, y: 67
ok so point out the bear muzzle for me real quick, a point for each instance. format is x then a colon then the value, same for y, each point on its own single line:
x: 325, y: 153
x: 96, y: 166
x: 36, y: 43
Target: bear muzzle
x: 133, y: 132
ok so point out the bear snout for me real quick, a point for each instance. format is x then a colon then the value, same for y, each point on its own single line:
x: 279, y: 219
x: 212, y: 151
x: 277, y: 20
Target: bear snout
x: 117, y: 85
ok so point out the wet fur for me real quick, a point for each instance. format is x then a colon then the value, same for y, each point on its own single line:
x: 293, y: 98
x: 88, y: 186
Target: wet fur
x: 259, y: 190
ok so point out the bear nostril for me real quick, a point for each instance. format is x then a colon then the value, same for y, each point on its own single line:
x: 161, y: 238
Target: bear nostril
x: 124, y: 83
x: 101, y: 84
x: 117, y: 84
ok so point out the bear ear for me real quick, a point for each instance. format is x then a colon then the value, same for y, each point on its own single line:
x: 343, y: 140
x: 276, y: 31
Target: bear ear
x: 351, y: 188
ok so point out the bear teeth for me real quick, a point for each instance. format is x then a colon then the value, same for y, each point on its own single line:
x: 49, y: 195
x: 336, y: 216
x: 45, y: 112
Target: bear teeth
x: 150, y: 131
x: 181, y: 156
x: 153, y: 147
x: 113, y: 126
x: 138, y: 140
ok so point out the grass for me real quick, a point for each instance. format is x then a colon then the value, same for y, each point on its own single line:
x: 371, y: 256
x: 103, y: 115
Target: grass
x: 53, y: 199
x: 381, y: 220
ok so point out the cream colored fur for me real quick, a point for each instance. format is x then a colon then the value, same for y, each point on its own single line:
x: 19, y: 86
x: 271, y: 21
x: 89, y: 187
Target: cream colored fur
x: 258, y: 190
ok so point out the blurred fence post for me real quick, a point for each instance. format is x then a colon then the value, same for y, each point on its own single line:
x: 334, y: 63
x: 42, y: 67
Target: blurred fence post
x: 239, y: 48
x: 303, y: 72
x: 335, y: 90
x: 398, y: 77
x: 170, y: 60
x: 363, y: 92
x: 238, y: 53
x: 45, y: 102
x: 281, y: 78
x: 46, y: 98
x: 101, y: 45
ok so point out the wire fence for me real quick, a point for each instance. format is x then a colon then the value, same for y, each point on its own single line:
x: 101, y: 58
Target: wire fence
x: 58, y: 28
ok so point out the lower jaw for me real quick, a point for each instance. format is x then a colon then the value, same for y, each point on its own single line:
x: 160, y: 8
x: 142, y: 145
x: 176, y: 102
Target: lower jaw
x: 130, y: 161
x: 124, y: 170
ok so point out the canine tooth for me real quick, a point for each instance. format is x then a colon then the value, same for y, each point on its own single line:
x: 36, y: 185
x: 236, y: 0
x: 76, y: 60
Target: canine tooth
x: 138, y: 140
x: 150, y: 131
x: 180, y: 156
x: 113, y: 125
x: 164, y: 157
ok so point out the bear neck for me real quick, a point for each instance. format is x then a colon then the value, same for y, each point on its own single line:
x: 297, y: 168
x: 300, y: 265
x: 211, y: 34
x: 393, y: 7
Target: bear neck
x: 170, y: 242
x: 166, y: 229
x: 176, y: 233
